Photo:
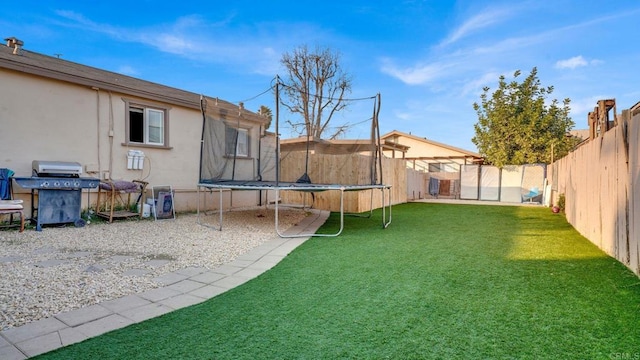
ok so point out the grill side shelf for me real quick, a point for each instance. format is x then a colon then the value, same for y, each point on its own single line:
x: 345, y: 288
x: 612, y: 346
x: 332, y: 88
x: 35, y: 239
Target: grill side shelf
x: 56, y: 182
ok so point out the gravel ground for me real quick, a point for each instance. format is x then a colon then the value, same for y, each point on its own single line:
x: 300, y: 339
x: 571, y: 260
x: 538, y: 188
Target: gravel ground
x: 64, y: 268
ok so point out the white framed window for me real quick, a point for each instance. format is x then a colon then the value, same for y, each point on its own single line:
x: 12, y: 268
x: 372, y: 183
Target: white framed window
x: 146, y: 124
x: 154, y: 126
x: 237, y: 142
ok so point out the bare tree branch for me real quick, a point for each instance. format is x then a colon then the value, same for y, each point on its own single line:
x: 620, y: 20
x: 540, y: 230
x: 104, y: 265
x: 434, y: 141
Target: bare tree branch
x: 316, y: 88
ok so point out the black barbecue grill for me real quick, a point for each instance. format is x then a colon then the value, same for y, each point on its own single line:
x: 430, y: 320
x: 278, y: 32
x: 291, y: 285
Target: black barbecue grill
x: 59, y: 188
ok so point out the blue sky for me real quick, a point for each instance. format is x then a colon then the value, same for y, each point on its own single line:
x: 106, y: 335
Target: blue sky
x: 429, y: 60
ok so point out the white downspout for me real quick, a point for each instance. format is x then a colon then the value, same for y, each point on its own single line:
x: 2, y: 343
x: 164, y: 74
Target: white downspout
x: 98, y: 127
x: 111, y: 133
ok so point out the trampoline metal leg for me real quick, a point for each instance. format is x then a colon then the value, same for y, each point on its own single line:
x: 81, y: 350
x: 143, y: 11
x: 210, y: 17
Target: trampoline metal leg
x: 386, y: 223
x: 219, y: 227
x: 367, y: 216
x: 283, y: 235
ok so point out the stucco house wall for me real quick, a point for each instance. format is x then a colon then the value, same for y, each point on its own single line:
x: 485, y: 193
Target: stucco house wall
x: 53, y: 109
x: 419, y: 151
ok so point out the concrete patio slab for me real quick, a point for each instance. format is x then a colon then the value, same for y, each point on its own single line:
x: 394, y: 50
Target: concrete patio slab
x: 103, y: 325
x: 156, y: 263
x: 227, y: 269
x: 185, y: 286
x: 209, y: 291
x: 83, y: 315
x: 249, y: 272
x: 266, y: 262
x: 146, y: 312
x: 11, y: 353
x: 32, y: 330
x: 8, y: 259
x: 231, y: 281
x: 207, y: 277
x: 159, y: 294
x: 242, y: 263
x: 50, y: 263
x: 181, y: 301
x: 125, y: 303
x: 170, y: 278
x: 40, y: 345
x: 136, y: 272
x: 191, y: 271
x: 70, y: 336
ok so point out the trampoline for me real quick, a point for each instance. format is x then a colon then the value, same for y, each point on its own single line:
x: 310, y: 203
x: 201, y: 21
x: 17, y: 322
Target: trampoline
x: 226, y: 166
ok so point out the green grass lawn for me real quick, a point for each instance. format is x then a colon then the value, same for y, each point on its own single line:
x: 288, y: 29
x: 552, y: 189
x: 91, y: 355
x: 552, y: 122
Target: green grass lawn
x: 442, y: 282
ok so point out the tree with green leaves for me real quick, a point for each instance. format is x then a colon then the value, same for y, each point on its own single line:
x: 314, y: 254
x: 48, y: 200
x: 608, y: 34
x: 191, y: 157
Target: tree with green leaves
x: 315, y: 89
x: 516, y: 125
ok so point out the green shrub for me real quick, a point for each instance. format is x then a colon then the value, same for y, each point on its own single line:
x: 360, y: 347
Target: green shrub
x: 561, y: 202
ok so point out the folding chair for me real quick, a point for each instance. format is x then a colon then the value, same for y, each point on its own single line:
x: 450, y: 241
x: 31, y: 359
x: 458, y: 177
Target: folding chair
x: 9, y: 206
x: 532, y: 195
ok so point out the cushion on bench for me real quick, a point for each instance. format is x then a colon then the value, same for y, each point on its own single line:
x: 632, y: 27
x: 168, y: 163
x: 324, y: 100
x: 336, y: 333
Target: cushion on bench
x: 120, y: 185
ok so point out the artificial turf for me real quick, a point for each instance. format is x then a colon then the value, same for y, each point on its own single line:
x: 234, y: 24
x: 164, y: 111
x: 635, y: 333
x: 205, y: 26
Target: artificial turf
x: 442, y: 282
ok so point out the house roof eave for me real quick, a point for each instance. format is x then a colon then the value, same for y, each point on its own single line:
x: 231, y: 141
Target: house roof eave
x: 396, y: 133
x: 63, y: 70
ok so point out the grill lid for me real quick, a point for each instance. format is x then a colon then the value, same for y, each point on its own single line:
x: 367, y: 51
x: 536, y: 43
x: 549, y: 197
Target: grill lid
x: 56, y: 168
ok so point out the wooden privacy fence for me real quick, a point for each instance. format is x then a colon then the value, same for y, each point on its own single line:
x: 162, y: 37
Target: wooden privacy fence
x: 416, y: 184
x: 348, y: 169
x: 600, y: 181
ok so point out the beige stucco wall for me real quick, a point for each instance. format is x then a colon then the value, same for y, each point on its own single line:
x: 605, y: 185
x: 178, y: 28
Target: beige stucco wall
x: 44, y: 119
x: 423, y: 149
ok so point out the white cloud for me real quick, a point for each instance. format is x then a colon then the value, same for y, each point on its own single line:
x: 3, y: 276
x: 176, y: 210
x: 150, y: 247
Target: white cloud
x: 195, y: 38
x: 82, y: 22
x: 477, y: 22
x: 572, y: 63
x: 419, y: 74
x: 403, y: 115
x: 466, y: 60
x: 487, y: 18
x: 475, y: 86
x: 575, y: 62
x: 171, y: 43
x: 581, y: 107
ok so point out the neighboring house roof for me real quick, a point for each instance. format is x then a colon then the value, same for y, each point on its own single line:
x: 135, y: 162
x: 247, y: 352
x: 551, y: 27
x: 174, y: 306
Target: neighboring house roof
x: 392, y: 138
x: 59, y: 69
